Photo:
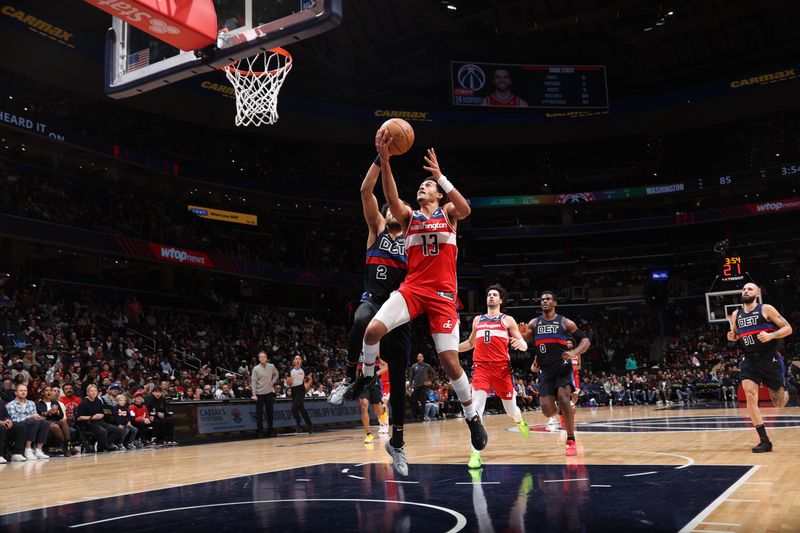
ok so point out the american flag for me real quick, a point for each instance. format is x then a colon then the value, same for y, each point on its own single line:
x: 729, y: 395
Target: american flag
x: 139, y: 59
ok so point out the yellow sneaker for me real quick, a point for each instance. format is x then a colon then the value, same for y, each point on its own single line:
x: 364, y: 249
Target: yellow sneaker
x: 476, y: 475
x: 524, y: 429
x: 475, y: 460
x: 369, y: 438
x: 384, y: 419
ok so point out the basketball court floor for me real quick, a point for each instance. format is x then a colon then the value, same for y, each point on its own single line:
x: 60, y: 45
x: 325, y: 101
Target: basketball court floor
x: 638, y: 469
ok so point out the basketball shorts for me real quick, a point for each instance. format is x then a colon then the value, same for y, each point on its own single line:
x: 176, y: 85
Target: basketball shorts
x: 372, y: 393
x: 576, y: 379
x: 763, y: 368
x: 553, y: 378
x: 497, y: 376
x: 407, y: 303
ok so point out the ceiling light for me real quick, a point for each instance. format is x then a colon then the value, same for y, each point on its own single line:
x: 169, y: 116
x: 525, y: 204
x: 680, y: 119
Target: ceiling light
x: 451, y: 7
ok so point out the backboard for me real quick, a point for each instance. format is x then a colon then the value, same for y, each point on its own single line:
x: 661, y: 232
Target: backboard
x: 137, y: 62
x: 721, y: 304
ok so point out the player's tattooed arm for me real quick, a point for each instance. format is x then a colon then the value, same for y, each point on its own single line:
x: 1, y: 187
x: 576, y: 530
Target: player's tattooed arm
x: 784, y: 328
x: 470, y: 342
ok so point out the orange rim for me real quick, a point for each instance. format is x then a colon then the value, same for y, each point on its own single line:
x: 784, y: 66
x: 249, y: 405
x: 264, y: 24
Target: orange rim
x: 279, y: 51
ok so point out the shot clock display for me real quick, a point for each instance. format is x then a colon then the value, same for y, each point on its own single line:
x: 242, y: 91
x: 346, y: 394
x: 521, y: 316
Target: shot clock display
x: 732, y: 269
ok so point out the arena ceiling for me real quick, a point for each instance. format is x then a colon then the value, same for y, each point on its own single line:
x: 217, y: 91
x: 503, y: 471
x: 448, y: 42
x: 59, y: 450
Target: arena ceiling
x: 397, y: 52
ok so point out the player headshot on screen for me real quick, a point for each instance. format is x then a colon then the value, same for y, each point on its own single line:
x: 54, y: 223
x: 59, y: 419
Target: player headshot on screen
x: 502, y: 95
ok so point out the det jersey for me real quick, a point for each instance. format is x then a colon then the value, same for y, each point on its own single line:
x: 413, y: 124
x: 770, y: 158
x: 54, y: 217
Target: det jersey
x: 491, y: 340
x: 385, y: 268
x: 551, y: 340
x: 432, y: 251
x: 749, y: 325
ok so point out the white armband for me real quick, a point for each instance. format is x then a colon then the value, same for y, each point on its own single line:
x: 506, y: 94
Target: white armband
x: 445, y: 184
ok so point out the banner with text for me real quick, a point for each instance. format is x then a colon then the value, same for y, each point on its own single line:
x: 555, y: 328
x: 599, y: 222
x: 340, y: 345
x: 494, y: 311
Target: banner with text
x: 223, y: 216
x: 219, y: 418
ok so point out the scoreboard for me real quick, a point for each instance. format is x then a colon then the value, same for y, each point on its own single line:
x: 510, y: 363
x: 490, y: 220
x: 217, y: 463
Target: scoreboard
x: 533, y: 86
x: 732, y: 269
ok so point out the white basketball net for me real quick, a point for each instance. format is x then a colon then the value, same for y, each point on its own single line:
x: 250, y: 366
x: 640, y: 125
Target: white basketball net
x: 257, y: 81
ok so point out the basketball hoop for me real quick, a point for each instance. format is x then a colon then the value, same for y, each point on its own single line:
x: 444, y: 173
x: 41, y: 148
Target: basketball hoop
x: 257, y: 81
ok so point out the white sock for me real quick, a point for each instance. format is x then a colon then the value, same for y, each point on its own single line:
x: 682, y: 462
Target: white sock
x: 464, y: 393
x: 370, y: 354
x: 479, y: 403
x: 512, y: 410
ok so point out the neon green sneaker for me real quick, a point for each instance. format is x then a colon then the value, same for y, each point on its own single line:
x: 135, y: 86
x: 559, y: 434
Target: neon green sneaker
x: 524, y: 429
x: 527, y: 484
x: 476, y: 475
x: 475, y: 460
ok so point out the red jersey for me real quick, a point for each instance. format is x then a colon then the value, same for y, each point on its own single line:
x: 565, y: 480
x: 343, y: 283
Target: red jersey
x: 432, y: 251
x: 491, y: 340
x: 70, y: 403
x: 138, y: 412
x: 493, y: 101
x: 385, y: 387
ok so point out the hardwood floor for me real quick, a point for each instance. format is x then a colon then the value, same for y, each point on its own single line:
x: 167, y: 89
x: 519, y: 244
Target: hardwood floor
x: 766, y: 498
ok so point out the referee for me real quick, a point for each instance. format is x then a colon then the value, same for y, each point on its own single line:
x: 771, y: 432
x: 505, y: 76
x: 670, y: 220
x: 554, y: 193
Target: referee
x: 299, y: 383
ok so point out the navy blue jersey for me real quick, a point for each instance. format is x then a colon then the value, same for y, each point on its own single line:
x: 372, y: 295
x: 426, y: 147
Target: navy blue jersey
x: 749, y: 325
x: 551, y: 340
x: 386, y: 267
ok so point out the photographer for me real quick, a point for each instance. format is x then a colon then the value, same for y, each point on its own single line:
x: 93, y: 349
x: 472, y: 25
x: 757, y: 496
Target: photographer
x: 163, y: 424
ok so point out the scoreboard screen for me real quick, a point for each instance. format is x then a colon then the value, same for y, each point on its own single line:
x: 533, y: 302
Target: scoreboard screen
x: 732, y: 269
x: 532, y: 86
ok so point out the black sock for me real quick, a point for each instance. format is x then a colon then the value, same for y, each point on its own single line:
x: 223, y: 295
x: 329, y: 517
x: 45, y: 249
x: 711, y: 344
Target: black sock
x: 351, y: 371
x: 762, y: 433
x: 571, y: 437
x: 397, y: 437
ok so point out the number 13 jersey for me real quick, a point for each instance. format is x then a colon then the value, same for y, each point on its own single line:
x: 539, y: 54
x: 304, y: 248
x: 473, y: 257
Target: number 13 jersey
x: 432, y: 251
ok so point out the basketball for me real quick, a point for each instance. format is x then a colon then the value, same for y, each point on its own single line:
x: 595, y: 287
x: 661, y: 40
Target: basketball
x: 402, y: 135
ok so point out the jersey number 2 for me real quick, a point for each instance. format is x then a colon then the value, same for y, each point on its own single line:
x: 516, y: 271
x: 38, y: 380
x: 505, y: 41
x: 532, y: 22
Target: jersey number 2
x: 380, y: 272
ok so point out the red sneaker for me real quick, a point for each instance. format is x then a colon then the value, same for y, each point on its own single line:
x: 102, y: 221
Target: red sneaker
x: 572, y: 449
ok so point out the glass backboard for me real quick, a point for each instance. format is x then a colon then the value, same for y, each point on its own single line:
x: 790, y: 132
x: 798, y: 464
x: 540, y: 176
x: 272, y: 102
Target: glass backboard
x: 137, y: 62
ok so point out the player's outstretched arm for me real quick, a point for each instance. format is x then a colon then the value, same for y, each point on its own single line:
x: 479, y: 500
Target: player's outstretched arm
x: 470, y: 342
x: 457, y: 208
x: 400, y: 210
x: 784, y: 328
x: 517, y: 342
x: 372, y: 213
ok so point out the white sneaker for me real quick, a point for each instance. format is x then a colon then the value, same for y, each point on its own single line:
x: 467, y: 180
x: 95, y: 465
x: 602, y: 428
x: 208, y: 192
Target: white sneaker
x: 29, y: 456
x: 2, y: 460
x: 18, y: 458
x: 40, y: 454
x: 384, y: 429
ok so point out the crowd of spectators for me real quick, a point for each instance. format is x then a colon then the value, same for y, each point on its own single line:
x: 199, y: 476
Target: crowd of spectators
x: 80, y: 363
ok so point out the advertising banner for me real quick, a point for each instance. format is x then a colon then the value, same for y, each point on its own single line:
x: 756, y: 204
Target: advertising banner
x: 223, y: 216
x: 217, y: 418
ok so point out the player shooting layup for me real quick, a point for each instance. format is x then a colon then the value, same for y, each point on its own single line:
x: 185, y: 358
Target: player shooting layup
x: 430, y: 285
